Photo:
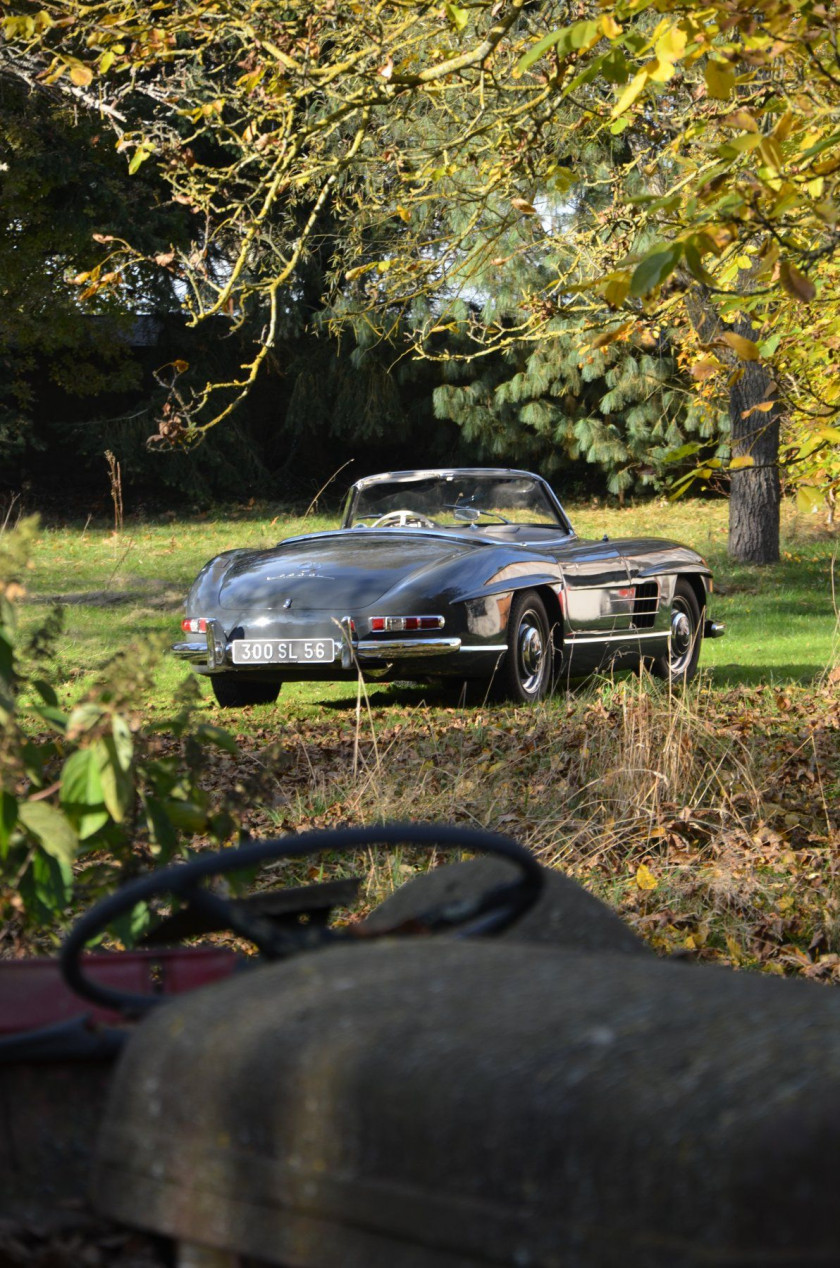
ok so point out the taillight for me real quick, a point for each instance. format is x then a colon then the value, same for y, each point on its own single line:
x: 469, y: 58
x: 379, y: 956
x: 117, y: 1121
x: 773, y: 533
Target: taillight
x: 398, y: 624
x: 194, y: 625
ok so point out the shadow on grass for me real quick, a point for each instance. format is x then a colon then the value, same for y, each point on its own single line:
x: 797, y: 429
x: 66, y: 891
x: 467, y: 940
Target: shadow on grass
x: 757, y: 675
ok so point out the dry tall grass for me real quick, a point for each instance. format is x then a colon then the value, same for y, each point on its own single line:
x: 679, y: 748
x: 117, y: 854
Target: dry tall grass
x: 705, y: 818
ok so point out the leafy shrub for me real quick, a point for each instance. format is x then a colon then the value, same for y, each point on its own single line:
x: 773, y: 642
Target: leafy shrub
x: 88, y: 797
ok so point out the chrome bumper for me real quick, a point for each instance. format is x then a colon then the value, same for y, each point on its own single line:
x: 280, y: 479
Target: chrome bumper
x: 214, y: 651
x: 714, y: 629
x: 193, y: 653
x: 402, y: 648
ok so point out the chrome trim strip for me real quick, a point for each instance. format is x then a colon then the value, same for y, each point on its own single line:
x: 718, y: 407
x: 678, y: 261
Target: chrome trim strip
x: 381, y: 649
x: 621, y: 583
x: 484, y: 647
x: 609, y: 636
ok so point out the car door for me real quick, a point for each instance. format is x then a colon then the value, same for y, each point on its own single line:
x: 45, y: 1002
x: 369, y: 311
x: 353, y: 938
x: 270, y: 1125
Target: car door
x: 598, y: 602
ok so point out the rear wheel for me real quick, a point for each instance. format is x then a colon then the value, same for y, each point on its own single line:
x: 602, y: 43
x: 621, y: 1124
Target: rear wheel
x: 234, y: 691
x: 679, y: 663
x: 526, y: 671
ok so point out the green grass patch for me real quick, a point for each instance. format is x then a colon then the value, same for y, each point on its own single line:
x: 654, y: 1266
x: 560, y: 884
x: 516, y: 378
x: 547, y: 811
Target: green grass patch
x: 708, y: 820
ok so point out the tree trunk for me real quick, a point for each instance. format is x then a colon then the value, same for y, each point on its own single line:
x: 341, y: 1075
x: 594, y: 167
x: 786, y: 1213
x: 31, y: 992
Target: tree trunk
x: 755, y: 496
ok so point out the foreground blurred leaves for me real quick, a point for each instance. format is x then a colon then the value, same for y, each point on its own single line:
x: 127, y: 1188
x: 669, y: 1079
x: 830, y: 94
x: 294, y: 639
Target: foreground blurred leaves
x: 88, y: 795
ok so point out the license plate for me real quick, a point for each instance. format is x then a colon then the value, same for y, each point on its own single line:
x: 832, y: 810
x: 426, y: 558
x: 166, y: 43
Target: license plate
x: 283, y: 651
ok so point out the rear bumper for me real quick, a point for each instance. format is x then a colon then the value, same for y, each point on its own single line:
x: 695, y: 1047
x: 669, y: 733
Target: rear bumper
x: 214, y: 652
x: 404, y: 648
x: 192, y: 653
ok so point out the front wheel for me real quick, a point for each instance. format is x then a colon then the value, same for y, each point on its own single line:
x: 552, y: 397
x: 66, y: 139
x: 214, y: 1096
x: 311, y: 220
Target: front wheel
x: 235, y: 691
x: 527, y: 667
x: 679, y: 663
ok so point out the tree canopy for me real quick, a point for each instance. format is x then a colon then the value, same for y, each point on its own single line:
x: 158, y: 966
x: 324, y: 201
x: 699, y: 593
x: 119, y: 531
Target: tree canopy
x: 687, y: 159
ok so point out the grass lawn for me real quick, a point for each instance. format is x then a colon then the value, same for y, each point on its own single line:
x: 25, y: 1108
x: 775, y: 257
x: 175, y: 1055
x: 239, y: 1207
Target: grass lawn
x: 781, y: 620
x: 708, y: 820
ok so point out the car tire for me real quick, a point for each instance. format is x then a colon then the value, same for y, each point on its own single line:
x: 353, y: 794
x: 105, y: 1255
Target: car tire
x: 235, y: 691
x: 679, y: 664
x: 526, y: 672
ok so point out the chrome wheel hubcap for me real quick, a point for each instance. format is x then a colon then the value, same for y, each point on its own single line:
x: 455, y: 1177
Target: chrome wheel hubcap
x: 531, y: 653
x: 682, y: 636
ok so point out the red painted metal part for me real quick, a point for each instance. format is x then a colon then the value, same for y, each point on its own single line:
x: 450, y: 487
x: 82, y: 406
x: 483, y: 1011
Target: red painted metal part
x: 33, y: 994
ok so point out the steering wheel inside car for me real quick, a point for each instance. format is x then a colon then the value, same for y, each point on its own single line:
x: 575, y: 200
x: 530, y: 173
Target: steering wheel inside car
x: 488, y: 913
x: 403, y: 518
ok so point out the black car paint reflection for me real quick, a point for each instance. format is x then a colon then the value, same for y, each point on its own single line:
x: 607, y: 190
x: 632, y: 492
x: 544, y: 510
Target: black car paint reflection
x: 460, y: 573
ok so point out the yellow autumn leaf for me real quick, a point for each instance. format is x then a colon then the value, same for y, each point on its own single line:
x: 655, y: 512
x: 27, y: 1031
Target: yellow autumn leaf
x: 705, y: 368
x: 669, y: 48
x: 610, y: 336
x: 81, y: 75
x: 763, y: 407
x: 631, y: 92
x: 742, y: 461
x: 616, y: 289
x: 742, y: 347
x: 610, y: 27
x: 809, y: 499
x: 720, y: 79
x: 783, y: 128
x: 645, y: 878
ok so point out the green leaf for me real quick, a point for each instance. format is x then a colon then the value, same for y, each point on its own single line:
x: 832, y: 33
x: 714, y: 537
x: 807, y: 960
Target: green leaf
x: 161, y: 830
x: 83, y: 718
x: 123, y: 743
x: 131, y: 926
x: 684, y: 451
x: 80, y: 781
x: 767, y: 347
x: 654, y: 268
x: 695, y: 265
x: 567, y: 40
x: 51, y: 829
x: 457, y: 16
x: 47, y: 692
x: 209, y: 734
x: 138, y: 158
x: 185, y: 815
x: 117, y: 785
x: 8, y: 819
x: 47, y: 884
x: 82, y: 795
x: 56, y: 718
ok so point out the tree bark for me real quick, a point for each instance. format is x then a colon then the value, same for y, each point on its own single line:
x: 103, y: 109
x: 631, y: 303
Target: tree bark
x: 755, y: 492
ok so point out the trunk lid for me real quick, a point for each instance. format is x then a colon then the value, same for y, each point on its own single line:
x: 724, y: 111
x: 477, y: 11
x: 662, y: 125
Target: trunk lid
x: 333, y: 572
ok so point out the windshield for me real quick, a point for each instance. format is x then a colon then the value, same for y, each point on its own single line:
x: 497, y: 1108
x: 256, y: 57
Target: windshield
x: 454, y: 501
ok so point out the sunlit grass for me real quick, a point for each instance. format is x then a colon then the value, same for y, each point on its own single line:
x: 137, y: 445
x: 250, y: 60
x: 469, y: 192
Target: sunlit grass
x: 725, y: 795
x: 781, y: 622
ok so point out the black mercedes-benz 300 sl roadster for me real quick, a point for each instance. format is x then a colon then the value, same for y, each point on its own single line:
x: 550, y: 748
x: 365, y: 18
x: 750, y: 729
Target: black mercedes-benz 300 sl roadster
x: 461, y: 573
